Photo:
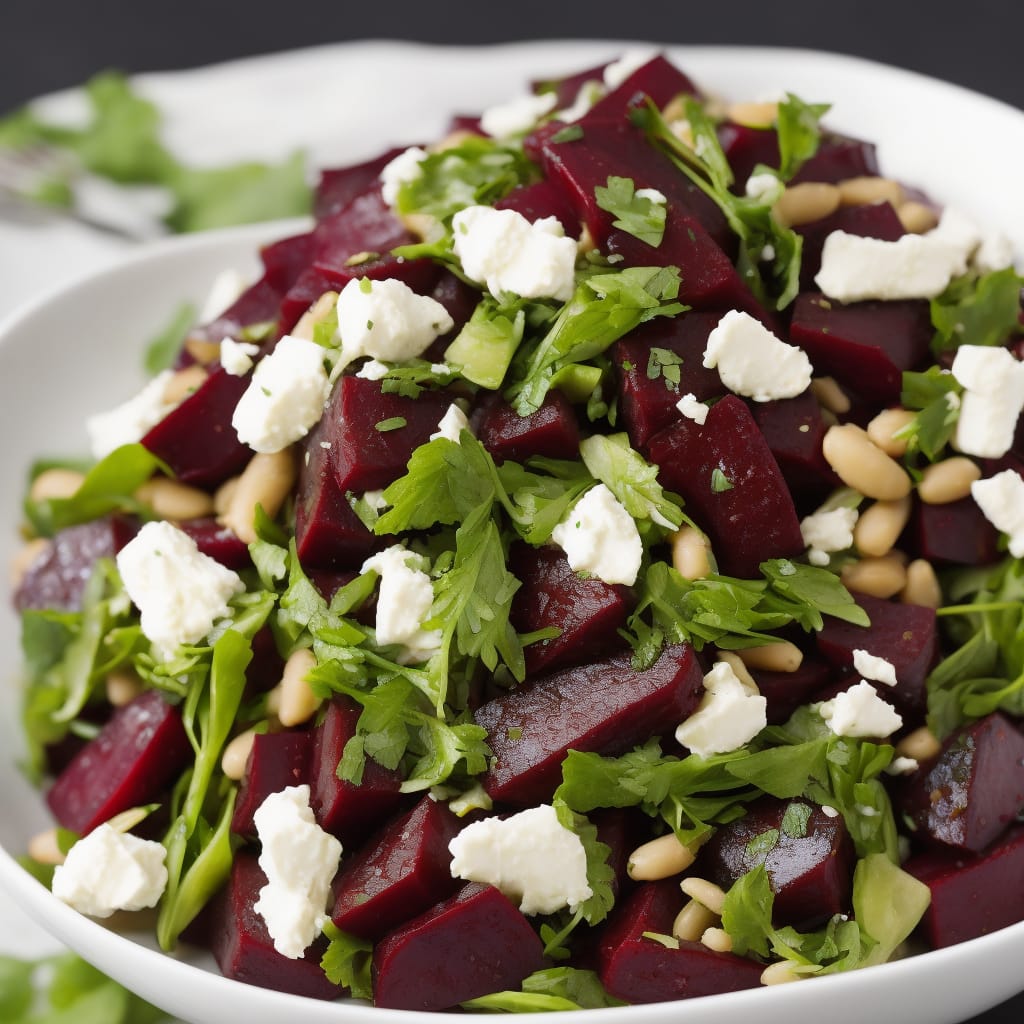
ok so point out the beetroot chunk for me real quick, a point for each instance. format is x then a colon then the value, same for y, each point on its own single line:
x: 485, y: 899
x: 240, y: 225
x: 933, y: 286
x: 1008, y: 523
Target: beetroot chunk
x: 786, y: 691
x: 971, y: 896
x: 219, y: 542
x: 539, y: 200
x: 955, y: 534
x: 277, y: 760
x: 810, y: 865
x: 243, y: 948
x: 472, y: 944
x: 658, y: 79
x: 604, y: 707
x: 398, y: 874
x: 641, y: 970
x: 551, y: 431
x: 588, y: 612
x: 136, y: 755
x: 343, y: 808
x: 338, y: 186
x: 732, y: 486
x: 972, y: 792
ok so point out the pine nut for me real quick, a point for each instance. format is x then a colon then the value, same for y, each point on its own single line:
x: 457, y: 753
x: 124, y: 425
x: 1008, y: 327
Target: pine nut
x: 184, y: 383
x: 804, y: 203
x: 44, y: 848
x: 830, y: 395
x: 683, y: 131
x: 25, y: 558
x: 298, y: 702
x: 862, y: 465
x: 881, y: 577
x: 717, y: 939
x: 921, y: 744
x: 674, y: 109
x: 779, y: 973
x: 122, y: 687
x: 223, y: 495
x: 452, y: 140
x: 55, y: 483
x: 203, y: 352
x: 753, y: 115
x: 690, y: 553
x: 735, y: 662
x: 880, y: 526
x: 948, y: 480
x: 173, y: 500
x: 870, y: 189
x: 266, y: 481
x: 703, y: 891
x: 235, y: 758
x: 780, y: 657
x: 693, y: 921
x: 917, y: 218
x: 887, y: 423
x: 922, y: 585
x: 660, y: 858
x: 319, y: 311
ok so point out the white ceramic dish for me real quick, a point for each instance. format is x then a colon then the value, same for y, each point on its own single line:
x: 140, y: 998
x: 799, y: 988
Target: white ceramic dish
x: 78, y: 351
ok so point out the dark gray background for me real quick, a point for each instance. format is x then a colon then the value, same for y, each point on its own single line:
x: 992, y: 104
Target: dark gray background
x: 51, y: 44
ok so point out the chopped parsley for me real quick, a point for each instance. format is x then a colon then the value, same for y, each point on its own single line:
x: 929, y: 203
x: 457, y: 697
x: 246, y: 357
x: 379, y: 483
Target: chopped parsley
x: 636, y: 212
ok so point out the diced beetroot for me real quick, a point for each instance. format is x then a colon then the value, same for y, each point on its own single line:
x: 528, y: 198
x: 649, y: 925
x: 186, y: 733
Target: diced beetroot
x: 264, y: 671
x: 793, y: 429
x: 658, y: 79
x: 873, y: 220
x: 588, y: 612
x: 810, y: 866
x: 539, y: 200
x: 903, y: 634
x: 366, y: 224
x: 136, y: 755
x: 474, y: 943
x: 364, y: 458
x: 242, y: 946
x: 617, y: 829
x: 217, y: 541
x: 647, y: 403
x: 866, y: 346
x: 566, y: 89
x: 642, y: 970
x: 398, y: 874
x: 551, y: 431
x: 955, y: 534
x: 459, y: 300
x: 349, y: 811
x: 338, y: 186
x: 328, y: 533
x: 745, y: 507
x: 786, y: 691
x: 57, y: 577
x: 256, y: 305
x: 971, y: 896
x: 277, y: 760
x: 196, y: 439
x: 604, y: 707
x: 285, y: 259
x: 974, y: 790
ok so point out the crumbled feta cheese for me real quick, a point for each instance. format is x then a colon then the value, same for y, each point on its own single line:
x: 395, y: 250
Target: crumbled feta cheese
x: 518, y: 115
x: 752, y: 362
x: 728, y: 717
x: 994, y: 253
x: 764, y: 187
x: 531, y: 857
x: 404, y: 168
x: 373, y: 369
x: 300, y: 860
x: 588, y: 94
x: 826, y: 532
x: 652, y: 194
x: 107, y: 871
x: 600, y: 537
x: 1001, y: 500
x: 236, y: 356
x: 992, y: 401
x: 829, y: 811
x: 692, y: 409
x: 130, y: 421
x: 451, y: 425
x: 902, y: 766
x: 387, y: 320
x: 631, y: 61
x: 859, y: 711
x: 508, y: 253
x: 870, y: 666
x: 226, y: 287
x: 179, y: 591
x: 404, y: 598
x: 375, y: 499
x: 285, y: 397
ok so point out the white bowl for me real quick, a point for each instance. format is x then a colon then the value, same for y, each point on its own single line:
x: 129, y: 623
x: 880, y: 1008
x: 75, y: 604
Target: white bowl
x: 79, y: 351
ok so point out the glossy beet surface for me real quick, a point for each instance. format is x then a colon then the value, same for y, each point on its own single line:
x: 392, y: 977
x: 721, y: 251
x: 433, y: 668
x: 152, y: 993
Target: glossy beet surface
x: 551, y: 431
x: 277, y: 760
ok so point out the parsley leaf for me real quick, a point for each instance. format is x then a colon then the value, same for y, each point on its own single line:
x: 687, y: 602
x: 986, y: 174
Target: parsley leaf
x: 483, y: 349
x: 981, y: 310
x: 664, y: 363
x: 347, y: 961
x: 799, y: 133
x: 537, y: 502
x: 555, y: 988
x: 935, y: 395
x: 639, y: 214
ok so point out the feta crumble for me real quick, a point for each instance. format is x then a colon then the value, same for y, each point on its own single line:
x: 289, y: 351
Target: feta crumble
x: 508, y: 253
x: 630, y: 62
x: 764, y: 187
x: 237, y: 356
x: 531, y: 857
x: 518, y: 115
x: 730, y: 714
x: 600, y: 537
x: 902, y: 766
x: 130, y: 421
x: 107, y: 871
x: 752, y: 362
x: 285, y: 397
x: 179, y: 591
x: 870, y: 666
x: 859, y: 711
x: 1001, y: 500
x: 692, y: 409
x: 451, y: 424
x: 373, y: 369
x: 404, y: 168
x: 387, y: 320
x: 300, y: 860
x: 404, y: 599
x: 992, y: 401
x: 652, y: 194
x: 827, y: 532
